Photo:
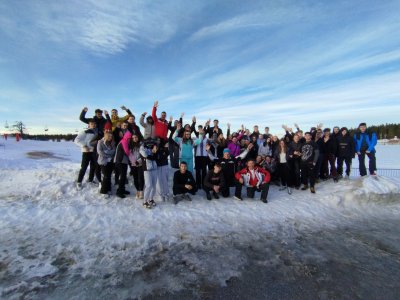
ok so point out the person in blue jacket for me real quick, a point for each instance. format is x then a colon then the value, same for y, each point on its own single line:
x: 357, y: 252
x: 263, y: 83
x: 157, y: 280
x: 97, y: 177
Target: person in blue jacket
x: 365, y: 142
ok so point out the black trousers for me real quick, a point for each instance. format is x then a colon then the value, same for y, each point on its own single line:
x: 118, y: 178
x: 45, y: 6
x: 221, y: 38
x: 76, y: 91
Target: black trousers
x: 308, y: 173
x: 200, y: 164
x: 295, y: 171
x: 97, y: 171
x: 340, y: 161
x: 122, y: 169
x: 329, y: 159
x: 106, y: 182
x: 88, y: 158
x: 372, y: 163
x: 174, y: 154
x: 264, y: 188
x: 179, y: 190
x: 138, y: 178
x: 223, y: 190
x: 284, y: 174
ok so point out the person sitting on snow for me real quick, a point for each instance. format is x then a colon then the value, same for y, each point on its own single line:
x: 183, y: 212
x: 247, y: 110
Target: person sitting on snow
x: 184, y: 183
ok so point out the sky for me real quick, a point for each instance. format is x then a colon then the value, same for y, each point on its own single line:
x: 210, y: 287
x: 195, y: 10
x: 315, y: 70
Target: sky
x: 263, y: 63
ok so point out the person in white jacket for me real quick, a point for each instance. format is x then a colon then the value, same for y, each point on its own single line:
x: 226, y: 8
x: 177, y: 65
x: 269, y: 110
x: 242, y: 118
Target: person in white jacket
x: 87, y: 141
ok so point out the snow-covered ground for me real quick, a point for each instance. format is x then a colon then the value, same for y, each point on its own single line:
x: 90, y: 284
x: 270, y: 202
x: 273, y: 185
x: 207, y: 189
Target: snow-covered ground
x: 60, y: 243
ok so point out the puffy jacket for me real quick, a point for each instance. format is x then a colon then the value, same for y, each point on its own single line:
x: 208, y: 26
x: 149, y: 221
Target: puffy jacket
x: 264, y: 149
x: 87, y: 140
x: 370, y: 139
x: 212, y: 179
x: 149, y: 129
x: 115, y: 119
x: 100, y: 122
x: 260, y: 176
x: 106, y: 152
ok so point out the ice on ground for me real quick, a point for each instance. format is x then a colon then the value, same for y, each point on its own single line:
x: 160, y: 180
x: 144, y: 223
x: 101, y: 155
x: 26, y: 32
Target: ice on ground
x: 61, y: 242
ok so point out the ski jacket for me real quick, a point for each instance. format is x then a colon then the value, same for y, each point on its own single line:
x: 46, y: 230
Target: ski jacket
x: 87, y: 140
x: 253, y: 179
x: 106, y: 152
x: 185, y: 148
x: 161, y: 126
x: 120, y: 156
x: 370, y: 141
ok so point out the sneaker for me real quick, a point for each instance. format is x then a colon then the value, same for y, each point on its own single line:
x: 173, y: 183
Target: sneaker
x: 282, y: 188
x: 289, y: 190
x: 121, y: 195
x: 79, y: 185
x: 264, y: 200
x: 137, y: 197
x: 147, y: 205
x: 238, y: 198
x: 373, y: 174
x: 305, y: 187
x: 215, y: 195
x: 335, y: 180
x: 175, y: 199
x: 208, y: 195
x: 187, y: 197
x: 127, y: 192
x: 312, y: 189
x: 152, y: 203
x: 141, y: 195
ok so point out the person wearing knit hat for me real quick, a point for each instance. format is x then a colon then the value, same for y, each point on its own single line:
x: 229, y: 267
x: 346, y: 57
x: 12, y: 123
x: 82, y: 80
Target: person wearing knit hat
x: 345, y: 152
x: 365, y: 142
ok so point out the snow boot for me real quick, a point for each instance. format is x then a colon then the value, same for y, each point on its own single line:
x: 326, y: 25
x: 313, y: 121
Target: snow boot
x: 215, y: 195
x: 208, y: 195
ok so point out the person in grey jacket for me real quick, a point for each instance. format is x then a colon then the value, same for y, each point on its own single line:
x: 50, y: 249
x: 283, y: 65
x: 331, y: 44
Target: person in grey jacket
x: 149, y: 127
x: 106, y: 152
x: 148, y: 151
x: 87, y: 140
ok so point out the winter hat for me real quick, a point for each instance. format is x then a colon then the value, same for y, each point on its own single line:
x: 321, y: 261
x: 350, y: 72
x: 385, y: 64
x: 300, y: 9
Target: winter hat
x: 108, y: 126
x: 226, y: 150
x: 362, y: 124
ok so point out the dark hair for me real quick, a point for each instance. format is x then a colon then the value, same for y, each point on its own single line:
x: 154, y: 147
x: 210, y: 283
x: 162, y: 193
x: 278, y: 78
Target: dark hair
x: 218, y: 165
x: 163, y: 112
x: 183, y: 163
x: 91, y: 121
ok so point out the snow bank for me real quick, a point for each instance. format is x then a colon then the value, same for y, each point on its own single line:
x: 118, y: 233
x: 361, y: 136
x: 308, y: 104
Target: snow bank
x: 55, y: 240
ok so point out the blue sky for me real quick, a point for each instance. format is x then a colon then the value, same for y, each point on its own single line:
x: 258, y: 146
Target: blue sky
x: 255, y: 62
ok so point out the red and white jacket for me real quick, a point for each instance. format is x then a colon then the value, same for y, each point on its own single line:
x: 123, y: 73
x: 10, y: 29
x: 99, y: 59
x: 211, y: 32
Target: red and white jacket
x: 161, y: 127
x: 253, y: 178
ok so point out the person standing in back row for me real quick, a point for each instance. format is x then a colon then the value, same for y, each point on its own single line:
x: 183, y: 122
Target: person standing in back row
x: 309, y: 158
x: 365, y: 142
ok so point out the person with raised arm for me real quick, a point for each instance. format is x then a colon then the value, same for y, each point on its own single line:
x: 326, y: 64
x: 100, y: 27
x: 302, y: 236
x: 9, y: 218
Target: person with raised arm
x: 115, y: 119
x: 214, y: 129
x: 173, y: 146
x: 97, y: 118
x: 161, y: 124
x: 149, y: 127
x: 186, y: 144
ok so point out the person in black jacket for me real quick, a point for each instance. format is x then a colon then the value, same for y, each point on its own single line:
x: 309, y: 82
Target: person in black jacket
x: 346, y: 151
x: 162, y: 171
x: 215, y: 182
x: 295, y: 159
x: 329, y: 149
x: 212, y: 130
x: 309, y: 158
x: 98, y: 119
x: 173, y: 146
x: 133, y: 128
x: 184, y: 183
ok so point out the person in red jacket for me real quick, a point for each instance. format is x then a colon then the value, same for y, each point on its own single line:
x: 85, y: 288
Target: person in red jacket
x: 160, y: 124
x: 255, y: 179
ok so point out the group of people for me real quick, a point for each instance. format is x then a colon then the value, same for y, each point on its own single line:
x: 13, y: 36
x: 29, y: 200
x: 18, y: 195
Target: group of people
x: 114, y: 144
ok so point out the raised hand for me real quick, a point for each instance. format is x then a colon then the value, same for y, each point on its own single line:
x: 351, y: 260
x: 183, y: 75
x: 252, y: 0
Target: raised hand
x: 295, y: 125
x: 171, y: 119
x: 178, y: 126
x: 123, y: 107
x: 156, y: 103
x: 193, y: 119
x: 106, y: 112
x: 182, y: 114
x: 229, y: 125
x: 144, y: 114
x: 85, y: 109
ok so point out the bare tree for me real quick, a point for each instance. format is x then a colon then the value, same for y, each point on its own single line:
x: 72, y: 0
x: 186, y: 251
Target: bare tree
x: 19, y: 126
